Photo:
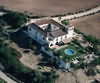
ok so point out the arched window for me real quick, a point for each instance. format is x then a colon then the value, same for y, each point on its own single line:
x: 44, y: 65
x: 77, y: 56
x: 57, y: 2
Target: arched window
x: 51, y: 44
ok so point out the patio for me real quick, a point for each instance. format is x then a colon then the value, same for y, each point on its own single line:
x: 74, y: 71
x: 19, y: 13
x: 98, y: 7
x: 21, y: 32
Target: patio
x: 66, y: 41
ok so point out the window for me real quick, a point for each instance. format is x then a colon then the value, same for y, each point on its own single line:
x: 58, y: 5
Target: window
x: 51, y: 44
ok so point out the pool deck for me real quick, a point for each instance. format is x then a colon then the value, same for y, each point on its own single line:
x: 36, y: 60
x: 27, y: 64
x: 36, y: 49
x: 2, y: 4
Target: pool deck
x: 65, y: 41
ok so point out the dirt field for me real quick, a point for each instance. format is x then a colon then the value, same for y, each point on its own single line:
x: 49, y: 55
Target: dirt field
x: 49, y: 7
x: 65, y: 78
x: 89, y: 25
x: 78, y: 76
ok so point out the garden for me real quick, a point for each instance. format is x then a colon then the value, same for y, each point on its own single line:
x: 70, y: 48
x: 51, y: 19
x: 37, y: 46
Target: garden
x: 84, y: 51
x: 76, y: 48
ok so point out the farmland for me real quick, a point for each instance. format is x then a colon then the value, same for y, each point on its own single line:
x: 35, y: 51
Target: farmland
x: 49, y: 7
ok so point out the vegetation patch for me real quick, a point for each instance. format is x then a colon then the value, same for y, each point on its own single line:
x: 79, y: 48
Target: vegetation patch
x: 67, y: 57
x: 14, y: 19
x: 65, y: 22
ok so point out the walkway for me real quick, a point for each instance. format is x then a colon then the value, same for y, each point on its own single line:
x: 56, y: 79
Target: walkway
x: 6, y: 78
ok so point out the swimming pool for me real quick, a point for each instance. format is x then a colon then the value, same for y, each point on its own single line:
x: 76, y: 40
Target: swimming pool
x: 69, y: 51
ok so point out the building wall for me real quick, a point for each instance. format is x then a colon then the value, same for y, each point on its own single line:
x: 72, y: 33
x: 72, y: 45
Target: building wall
x: 57, y: 39
x: 70, y: 32
x: 61, y: 38
x: 36, y: 35
x: 40, y: 38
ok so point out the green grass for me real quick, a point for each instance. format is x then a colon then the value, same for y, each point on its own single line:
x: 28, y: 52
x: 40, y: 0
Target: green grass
x: 67, y: 57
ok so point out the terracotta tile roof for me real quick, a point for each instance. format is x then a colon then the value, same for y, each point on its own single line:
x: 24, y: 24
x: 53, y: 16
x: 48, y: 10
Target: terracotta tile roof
x: 57, y: 33
x: 48, y: 21
x: 54, y: 33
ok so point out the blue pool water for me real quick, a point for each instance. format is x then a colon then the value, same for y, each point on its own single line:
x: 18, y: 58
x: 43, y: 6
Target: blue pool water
x: 69, y: 51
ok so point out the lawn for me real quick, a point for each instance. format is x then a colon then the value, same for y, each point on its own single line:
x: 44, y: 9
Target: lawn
x: 78, y: 52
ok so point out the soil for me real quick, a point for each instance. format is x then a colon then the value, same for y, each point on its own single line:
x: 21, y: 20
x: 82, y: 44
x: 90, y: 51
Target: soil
x: 49, y: 7
x: 89, y: 25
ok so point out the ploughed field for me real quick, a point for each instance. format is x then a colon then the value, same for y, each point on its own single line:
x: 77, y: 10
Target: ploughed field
x: 49, y: 7
x: 89, y: 25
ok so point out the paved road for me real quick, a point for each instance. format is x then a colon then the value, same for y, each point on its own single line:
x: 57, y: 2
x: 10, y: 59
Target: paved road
x: 6, y: 78
x: 85, y: 13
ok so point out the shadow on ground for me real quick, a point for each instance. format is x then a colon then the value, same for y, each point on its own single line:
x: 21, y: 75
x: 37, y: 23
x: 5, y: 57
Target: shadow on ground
x: 23, y: 41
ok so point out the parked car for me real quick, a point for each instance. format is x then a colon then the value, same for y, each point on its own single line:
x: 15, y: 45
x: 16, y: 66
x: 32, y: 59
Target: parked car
x: 60, y: 43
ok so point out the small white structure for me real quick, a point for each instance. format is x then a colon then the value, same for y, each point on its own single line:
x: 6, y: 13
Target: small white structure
x: 49, y: 32
x: 75, y: 61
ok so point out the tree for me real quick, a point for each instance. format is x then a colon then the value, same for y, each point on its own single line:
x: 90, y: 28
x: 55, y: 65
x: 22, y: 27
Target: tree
x: 95, y: 61
x: 89, y: 49
x: 52, y: 77
x: 91, y: 72
x: 65, y: 22
x: 38, y: 77
x: 15, y: 19
x: 2, y: 23
x: 96, y: 49
x: 92, y: 39
x: 43, y: 77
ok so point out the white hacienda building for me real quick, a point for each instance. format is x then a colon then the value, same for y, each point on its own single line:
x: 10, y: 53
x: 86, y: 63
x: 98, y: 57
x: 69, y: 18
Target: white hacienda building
x: 49, y: 32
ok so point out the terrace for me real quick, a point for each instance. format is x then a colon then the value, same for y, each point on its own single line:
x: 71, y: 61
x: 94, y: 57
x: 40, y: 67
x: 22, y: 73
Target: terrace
x: 80, y: 51
x: 64, y: 53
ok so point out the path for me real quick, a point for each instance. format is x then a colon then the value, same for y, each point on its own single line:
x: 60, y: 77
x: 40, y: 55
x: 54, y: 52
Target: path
x: 85, y: 13
x: 6, y: 78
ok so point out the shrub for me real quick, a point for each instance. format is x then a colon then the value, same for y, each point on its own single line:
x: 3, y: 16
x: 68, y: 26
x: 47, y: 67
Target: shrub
x: 91, y: 72
x: 65, y: 22
x: 96, y: 49
x: 92, y: 39
x: 78, y: 31
x: 43, y: 77
x: 2, y: 23
x: 15, y: 19
x: 9, y: 58
x: 95, y: 62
